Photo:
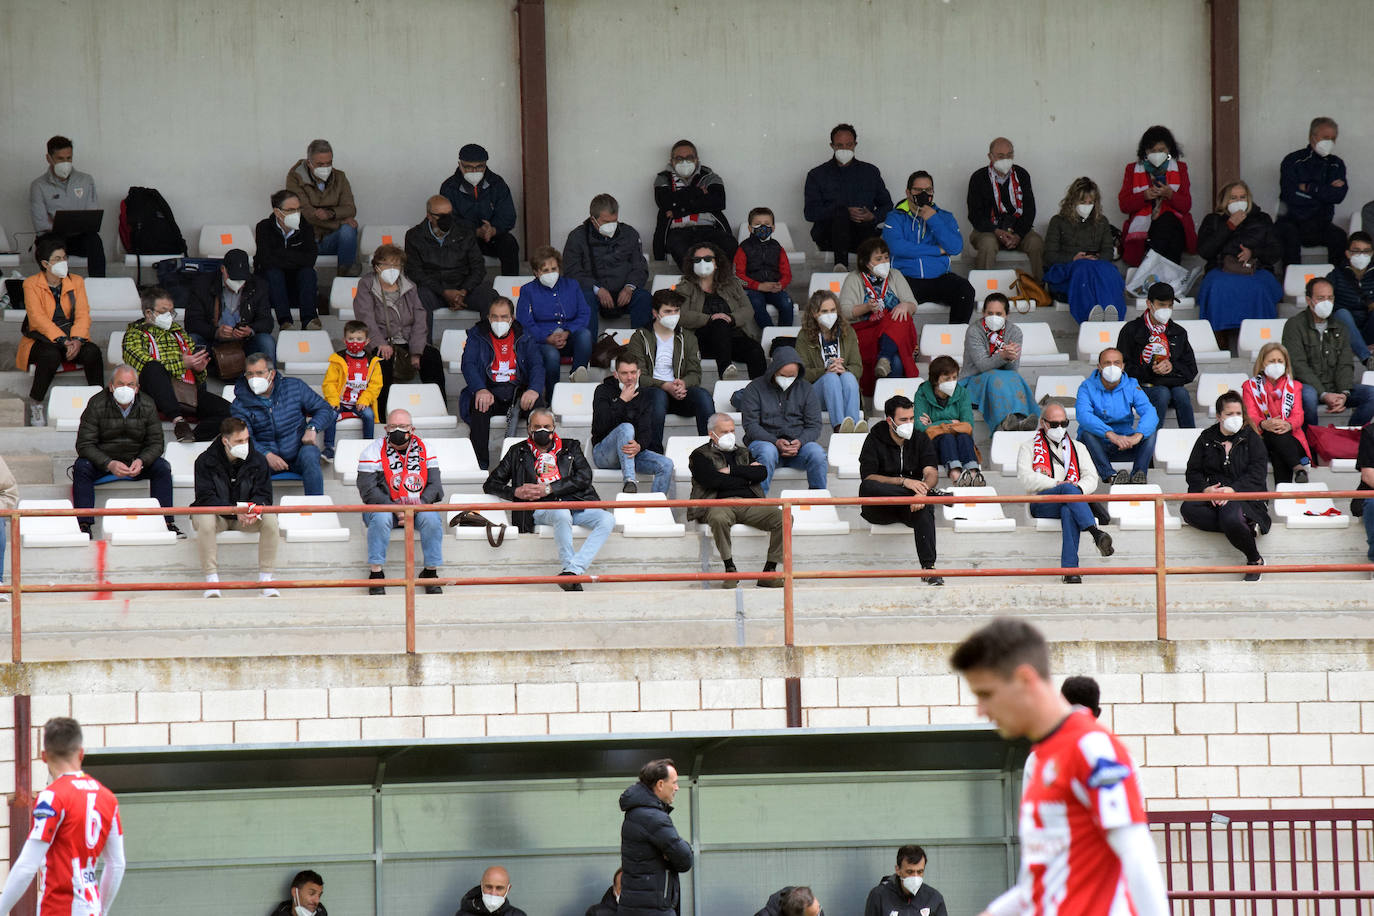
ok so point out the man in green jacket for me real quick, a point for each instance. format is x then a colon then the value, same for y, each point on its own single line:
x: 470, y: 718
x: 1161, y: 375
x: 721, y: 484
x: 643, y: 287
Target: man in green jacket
x: 120, y: 437
x: 1320, y: 353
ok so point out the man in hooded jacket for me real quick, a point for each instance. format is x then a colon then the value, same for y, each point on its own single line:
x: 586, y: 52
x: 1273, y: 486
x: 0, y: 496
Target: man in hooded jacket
x: 781, y: 414
x: 652, y: 854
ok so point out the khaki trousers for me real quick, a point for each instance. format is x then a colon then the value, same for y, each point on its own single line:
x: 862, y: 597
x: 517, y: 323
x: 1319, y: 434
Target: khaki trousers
x: 985, y: 248
x: 764, y: 518
x: 207, y: 526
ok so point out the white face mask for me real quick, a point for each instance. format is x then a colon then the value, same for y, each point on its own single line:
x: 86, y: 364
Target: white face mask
x: 238, y: 452
x: 163, y: 320
x: 1360, y: 261
x: 1238, y: 206
x: 60, y: 269
x: 844, y: 156
x: 1056, y: 434
x: 1162, y: 316
x: 500, y: 328
x: 912, y: 883
x: 608, y: 228
x: 995, y: 322
x: 292, y: 221
x: 1275, y: 371
x: 1232, y: 424
x: 124, y: 395
x: 1157, y: 159
x: 947, y: 387
x: 234, y: 285
x: 726, y: 442
x: 391, y: 275
x: 1324, y: 147
x: 784, y: 381
x: 904, y: 430
x: 259, y: 385
x: 549, y: 278
x: 881, y: 269
x: 492, y: 902
x: 1110, y: 374
x: 828, y: 319
x: 1084, y: 210
x: 670, y: 321
x: 474, y: 178
x: 62, y: 170
x: 1322, y: 309
x: 322, y: 172
x: 685, y: 169
x: 1003, y: 165
x: 704, y: 268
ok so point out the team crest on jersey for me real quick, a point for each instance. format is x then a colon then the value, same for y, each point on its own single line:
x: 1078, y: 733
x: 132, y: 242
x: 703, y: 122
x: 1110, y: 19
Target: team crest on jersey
x: 1107, y: 772
x: 1049, y: 773
x: 44, y: 807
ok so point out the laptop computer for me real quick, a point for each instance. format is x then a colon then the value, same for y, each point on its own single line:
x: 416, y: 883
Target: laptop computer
x: 69, y: 223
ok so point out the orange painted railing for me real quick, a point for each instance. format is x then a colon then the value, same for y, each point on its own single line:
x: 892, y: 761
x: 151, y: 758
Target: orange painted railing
x: 1160, y: 570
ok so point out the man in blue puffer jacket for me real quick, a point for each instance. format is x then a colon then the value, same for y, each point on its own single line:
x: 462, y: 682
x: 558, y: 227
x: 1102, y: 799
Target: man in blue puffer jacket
x: 1116, y: 421
x: 922, y: 238
x: 652, y: 854
x: 286, y: 419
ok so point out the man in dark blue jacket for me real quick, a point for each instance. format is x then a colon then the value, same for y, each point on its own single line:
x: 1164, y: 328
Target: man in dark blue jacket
x: 1311, y: 184
x: 286, y: 419
x: 285, y: 259
x: 481, y: 199
x: 502, y: 368
x: 1353, y: 284
x: 652, y: 854
x: 845, y: 199
x: 606, y: 257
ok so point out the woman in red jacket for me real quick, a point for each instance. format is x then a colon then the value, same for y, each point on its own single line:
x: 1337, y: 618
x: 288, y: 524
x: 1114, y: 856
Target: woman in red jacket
x: 1156, y: 198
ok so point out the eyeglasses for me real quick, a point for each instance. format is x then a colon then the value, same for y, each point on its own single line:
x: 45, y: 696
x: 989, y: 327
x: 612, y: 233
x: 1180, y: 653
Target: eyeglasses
x: 703, y: 260
x: 1057, y: 424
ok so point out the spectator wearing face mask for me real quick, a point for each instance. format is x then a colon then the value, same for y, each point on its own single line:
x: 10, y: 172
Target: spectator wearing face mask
x: 232, y: 475
x: 285, y: 259
x: 691, y: 206
x: 923, y: 237
x: 1116, y: 421
x: 606, y: 257
x: 1229, y: 458
x: 992, y: 358
x: 553, y: 309
x: 877, y: 301
x: 1318, y: 348
x: 398, y: 326
x: 622, y: 428
x: 352, y: 382
x: 1157, y: 199
x: 504, y: 373
x: 1274, y: 407
x: 1353, y: 284
x: 327, y: 204
x: 1157, y: 354
x: 1311, y: 183
x: 1079, y: 250
x: 763, y: 268
x: 829, y: 351
x: 57, y: 326
x: 442, y: 257
x: 287, y: 419
x: 905, y: 893
x: 1001, y: 210
x: 670, y: 365
x: 396, y: 469
x: 306, y: 890
x: 714, y: 305
x: 1238, y: 242
x: 482, y: 201
x: 724, y: 469
x: 171, y: 369
x: 231, y: 306
x: 894, y: 461
x: 945, y: 415
x: 781, y: 414
x: 1052, y: 464
x: 62, y: 187
x: 846, y: 200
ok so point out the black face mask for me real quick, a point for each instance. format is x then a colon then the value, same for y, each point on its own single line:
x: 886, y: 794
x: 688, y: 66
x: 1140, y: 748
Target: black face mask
x: 923, y: 198
x: 444, y: 223
x: 398, y: 438
x: 542, y: 437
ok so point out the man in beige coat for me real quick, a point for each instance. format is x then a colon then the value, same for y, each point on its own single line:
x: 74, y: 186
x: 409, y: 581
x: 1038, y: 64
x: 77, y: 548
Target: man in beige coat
x: 327, y: 204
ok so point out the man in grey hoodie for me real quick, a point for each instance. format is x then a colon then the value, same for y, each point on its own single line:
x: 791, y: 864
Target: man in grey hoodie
x: 781, y: 412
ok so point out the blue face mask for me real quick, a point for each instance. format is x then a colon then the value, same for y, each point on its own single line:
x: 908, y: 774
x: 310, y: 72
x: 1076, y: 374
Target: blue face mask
x: 762, y: 233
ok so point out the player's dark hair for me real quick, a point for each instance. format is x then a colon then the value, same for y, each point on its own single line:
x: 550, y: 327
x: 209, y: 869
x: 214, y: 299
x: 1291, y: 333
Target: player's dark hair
x: 1003, y: 646
x: 910, y: 853
x: 61, y: 736
x: 306, y: 877
x: 1081, y: 690
x: 796, y: 901
x: 656, y: 770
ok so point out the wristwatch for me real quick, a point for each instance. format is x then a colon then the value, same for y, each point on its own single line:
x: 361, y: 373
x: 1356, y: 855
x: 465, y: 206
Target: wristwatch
x: 548, y: 488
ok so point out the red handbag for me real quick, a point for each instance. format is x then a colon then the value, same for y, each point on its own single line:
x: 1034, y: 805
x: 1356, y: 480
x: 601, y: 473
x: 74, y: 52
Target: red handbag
x: 1332, y: 442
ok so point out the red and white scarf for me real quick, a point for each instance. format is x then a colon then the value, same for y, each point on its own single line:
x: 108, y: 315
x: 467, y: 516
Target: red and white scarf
x: 1013, y: 183
x: 874, y: 294
x: 995, y: 338
x: 1158, y: 347
x: 355, y: 381
x: 1285, y: 387
x: 406, y: 475
x: 186, y: 350
x: 1041, y: 461
x: 546, y: 462
x: 1139, y: 226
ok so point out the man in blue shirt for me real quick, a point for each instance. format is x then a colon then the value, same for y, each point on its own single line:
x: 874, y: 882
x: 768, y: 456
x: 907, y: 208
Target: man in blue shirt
x: 846, y: 199
x: 1116, y: 421
x: 922, y: 238
x: 1311, y: 184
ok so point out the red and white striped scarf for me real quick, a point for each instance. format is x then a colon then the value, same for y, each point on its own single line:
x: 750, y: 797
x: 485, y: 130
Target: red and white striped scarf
x: 1158, y: 347
x: 186, y: 350
x: 995, y: 338
x: 1284, y: 386
x: 1041, y: 462
x: 1012, y: 182
x: 1139, y: 226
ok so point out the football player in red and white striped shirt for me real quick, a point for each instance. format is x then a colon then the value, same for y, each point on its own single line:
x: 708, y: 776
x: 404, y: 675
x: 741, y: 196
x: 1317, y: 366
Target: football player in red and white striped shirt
x: 1085, y: 843
x: 75, y: 820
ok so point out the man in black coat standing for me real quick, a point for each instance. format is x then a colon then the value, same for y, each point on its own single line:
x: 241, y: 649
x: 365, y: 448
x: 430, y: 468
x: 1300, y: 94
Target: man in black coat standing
x: 652, y: 854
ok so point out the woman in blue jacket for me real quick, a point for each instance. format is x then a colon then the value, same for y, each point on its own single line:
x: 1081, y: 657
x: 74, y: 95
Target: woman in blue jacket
x: 553, y: 310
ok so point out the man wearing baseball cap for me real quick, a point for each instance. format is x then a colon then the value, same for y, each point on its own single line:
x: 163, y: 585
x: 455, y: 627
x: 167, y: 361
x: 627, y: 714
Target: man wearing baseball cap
x: 231, y: 307
x: 481, y: 199
x: 1159, y: 356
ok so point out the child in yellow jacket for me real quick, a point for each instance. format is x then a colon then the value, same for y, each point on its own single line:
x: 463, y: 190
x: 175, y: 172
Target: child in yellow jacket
x: 352, y: 382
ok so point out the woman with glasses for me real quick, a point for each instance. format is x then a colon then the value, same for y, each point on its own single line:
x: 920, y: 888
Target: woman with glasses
x: 715, y: 306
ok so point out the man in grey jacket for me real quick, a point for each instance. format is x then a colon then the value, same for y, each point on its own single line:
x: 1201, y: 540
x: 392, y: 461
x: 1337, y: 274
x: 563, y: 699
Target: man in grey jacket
x: 443, y: 260
x: 606, y: 257
x: 781, y: 411
x: 396, y: 469
x: 62, y: 187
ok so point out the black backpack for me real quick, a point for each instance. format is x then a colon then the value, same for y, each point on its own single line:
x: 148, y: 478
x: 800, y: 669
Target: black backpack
x: 147, y: 226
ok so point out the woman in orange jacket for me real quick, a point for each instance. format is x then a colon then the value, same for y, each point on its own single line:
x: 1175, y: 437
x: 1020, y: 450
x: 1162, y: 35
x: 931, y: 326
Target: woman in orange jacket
x: 57, y: 327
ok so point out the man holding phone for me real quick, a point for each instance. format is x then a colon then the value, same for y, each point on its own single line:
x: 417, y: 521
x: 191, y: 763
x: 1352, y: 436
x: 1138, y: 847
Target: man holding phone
x: 231, y: 307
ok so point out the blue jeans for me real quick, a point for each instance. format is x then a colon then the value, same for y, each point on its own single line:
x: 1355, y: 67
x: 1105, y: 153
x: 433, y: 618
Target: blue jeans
x: 599, y: 521
x: 696, y: 403
x: 1360, y: 329
x: 779, y: 300
x: 258, y: 343
x: 1104, y: 453
x: 1368, y: 531
x: 365, y: 414
x: 343, y: 242
x: 607, y: 455
x: 1073, y: 518
x: 1161, y: 396
x: 287, y: 289
x: 307, y: 464
x: 811, y: 456
x: 888, y: 350
x: 640, y: 309
x: 429, y: 525
x: 955, y: 450
x: 839, y: 396
x: 1360, y: 402
x: 579, y: 343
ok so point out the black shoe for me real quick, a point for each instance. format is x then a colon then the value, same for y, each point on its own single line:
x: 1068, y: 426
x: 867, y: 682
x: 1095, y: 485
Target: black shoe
x: 1104, y: 544
x: 1099, y: 511
x: 376, y: 589
x: 630, y: 487
x: 181, y: 535
x: 1073, y: 580
x: 570, y: 586
x: 1254, y: 576
x: 183, y: 432
x: 729, y: 566
x: 1300, y: 474
x: 428, y: 573
x: 934, y: 580
x: 87, y: 528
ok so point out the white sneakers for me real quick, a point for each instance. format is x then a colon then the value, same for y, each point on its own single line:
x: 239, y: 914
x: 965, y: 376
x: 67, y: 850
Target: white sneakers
x: 267, y: 591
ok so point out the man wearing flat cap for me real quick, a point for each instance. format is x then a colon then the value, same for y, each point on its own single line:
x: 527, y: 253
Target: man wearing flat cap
x: 481, y: 200
x: 1159, y: 356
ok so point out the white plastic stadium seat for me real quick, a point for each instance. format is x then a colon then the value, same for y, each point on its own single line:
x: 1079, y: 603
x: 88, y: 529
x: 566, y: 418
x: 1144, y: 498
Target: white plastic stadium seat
x: 1139, y: 515
x: 510, y: 286
x: 1212, y: 385
x: 113, y: 298
x: 1038, y: 347
x: 182, y: 457
x: 311, y: 525
x: 425, y: 403
x: 373, y: 237
x: 889, y: 387
x: 814, y: 519
x: 136, y: 530
x: 1173, y: 447
x: 783, y: 236
x: 572, y: 402
x: 1204, y: 341
x: 217, y: 238
x: 305, y: 352
x: 457, y: 460
x: 346, y: 454
x: 1295, y: 277
x: 664, y: 281
x: 54, y: 531
x: 495, y: 516
x: 1308, y: 497
x: 341, y: 293
x: 1059, y: 386
x: 679, y: 450
x: 943, y: 340
x: 843, y: 453
x: 451, y: 348
x: 1096, y: 336
x: 1356, y: 222
x: 1006, y: 445
x: 987, y: 282
x: 66, y: 402
x: 1256, y: 332
x: 9, y: 257
x: 827, y: 281
x: 773, y: 333
x: 639, y: 518
x: 114, y: 353
x: 723, y: 391
x: 622, y: 335
x: 977, y: 517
